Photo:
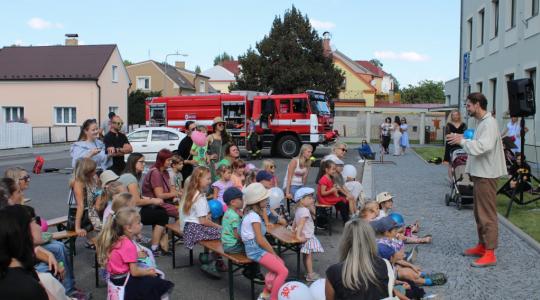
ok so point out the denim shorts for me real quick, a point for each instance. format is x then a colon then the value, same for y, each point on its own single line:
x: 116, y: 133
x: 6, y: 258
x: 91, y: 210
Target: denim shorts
x: 237, y: 248
x: 253, y: 250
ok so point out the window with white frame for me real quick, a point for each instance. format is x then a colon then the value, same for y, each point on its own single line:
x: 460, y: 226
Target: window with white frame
x: 495, y: 14
x: 65, y: 115
x: 143, y: 83
x: 481, y: 18
x: 512, y: 13
x: 13, y: 113
x: 469, y: 36
x: 113, y: 109
x: 115, y: 73
x: 493, y: 89
x: 202, y: 86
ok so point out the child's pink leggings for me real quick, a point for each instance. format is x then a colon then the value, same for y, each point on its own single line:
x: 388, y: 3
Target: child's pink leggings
x: 277, y: 273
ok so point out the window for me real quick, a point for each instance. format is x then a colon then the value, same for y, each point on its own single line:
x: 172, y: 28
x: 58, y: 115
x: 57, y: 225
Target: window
x: 299, y: 106
x: 202, y: 86
x: 479, y: 86
x: 495, y: 10
x: 469, y: 35
x: 512, y: 6
x: 114, y: 109
x: 481, y: 15
x: 284, y: 106
x: 13, y: 114
x: 143, y: 83
x: 138, y: 136
x: 532, y: 75
x: 509, y: 77
x: 534, y: 8
x: 493, y: 88
x: 115, y: 73
x: 65, y: 115
x: 162, y: 135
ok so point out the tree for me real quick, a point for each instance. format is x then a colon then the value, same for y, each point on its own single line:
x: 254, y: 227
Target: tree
x: 427, y: 91
x: 136, y: 105
x: 376, y: 62
x: 222, y: 57
x: 198, y: 70
x: 127, y: 62
x: 290, y: 59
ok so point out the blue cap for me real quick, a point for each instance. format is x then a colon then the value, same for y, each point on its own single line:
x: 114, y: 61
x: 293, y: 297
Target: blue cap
x: 263, y: 175
x: 231, y: 194
x: 385, y: 251
x: 384, y: 224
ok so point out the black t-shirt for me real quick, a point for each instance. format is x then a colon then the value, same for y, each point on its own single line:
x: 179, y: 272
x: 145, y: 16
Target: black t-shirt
x: 333, y: 275
x: 116, y: 140
x: 184, y: 150
x: 21, y: 285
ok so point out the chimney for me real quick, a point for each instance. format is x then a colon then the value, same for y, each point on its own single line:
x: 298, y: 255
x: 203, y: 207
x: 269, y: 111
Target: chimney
x: 327, y: 51
x: 72, y: 39
x: 180, y: 64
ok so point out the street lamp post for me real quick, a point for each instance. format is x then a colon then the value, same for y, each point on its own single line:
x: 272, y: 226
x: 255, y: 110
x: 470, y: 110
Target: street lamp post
x: 166, y: 64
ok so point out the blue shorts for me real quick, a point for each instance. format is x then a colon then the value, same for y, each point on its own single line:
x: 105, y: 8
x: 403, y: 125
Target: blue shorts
x: 253, y: 250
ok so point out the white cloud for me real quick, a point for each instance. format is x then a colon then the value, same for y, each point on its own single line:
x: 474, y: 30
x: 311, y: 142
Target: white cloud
x: 322, y: 25
x: 406, y: 55
x: 18, y: 42
x: 40, y: 24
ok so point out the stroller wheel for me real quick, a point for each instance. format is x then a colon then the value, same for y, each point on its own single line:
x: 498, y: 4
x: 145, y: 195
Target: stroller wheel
x: 447, y: 200
x: 458, y: 203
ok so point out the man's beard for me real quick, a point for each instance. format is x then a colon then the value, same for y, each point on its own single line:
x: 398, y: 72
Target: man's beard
x: 471, y: 113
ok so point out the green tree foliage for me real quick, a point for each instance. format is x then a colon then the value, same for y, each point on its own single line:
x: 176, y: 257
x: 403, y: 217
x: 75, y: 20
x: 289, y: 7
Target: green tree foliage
x: 136, y: 105
x: 198, y: 70
x: 376, y: 62
x: 289, y: 59
x: 427, y: 91
x: 127, y: 62
x: 222, y: 57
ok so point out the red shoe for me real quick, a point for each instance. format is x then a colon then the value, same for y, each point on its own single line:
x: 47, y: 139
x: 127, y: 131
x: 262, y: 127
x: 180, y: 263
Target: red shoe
x: 488, y: 259
x: 477, y: 250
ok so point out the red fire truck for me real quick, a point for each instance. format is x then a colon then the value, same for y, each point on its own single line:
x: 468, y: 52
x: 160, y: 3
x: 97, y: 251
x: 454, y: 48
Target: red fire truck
x: 283, y: 122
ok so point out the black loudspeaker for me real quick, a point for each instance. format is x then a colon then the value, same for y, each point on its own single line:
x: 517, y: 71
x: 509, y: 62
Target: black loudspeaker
x: 521, y: 102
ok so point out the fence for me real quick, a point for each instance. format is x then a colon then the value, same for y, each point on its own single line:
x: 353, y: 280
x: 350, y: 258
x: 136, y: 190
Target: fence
x: 15, y: 135
x: 54, y: 134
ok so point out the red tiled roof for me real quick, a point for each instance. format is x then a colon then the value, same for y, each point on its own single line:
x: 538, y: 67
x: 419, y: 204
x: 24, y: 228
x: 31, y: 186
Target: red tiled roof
x: 371, y: 67
x: 54, y: 62
x: 232, y: 65
x: 409, y: 105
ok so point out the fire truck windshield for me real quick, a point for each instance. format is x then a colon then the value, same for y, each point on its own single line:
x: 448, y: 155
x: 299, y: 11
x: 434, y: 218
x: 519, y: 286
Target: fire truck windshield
x: 320, y: 107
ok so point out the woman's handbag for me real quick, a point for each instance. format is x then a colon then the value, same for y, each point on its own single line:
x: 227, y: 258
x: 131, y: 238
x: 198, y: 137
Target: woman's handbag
x: 391, y: 280
x: 86, y: 224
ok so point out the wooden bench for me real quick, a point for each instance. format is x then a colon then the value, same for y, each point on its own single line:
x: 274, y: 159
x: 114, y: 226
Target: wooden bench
x: 287, y: 239
x: 235, y: 263
x: 327, y: 210
x: 60, y: 223
x: 175, y: 233
x: 68, y: 238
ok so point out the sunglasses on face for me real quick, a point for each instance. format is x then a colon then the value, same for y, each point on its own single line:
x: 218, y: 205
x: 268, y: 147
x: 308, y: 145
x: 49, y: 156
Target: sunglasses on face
x: 220, y: 124
x: 272, y: 167
x: 343, y: 149
x: 25, y: 178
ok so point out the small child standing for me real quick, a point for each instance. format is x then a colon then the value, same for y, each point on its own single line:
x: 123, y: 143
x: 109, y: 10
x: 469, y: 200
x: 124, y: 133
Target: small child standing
x: 199, y: 147
x: 222, y: 184
x: 269, y: 166
x: 305, y: 229
x: 175, y: 173
x: 116, y: 250
x: 257, y: 248
x: 386, y: 203
x: 230, y: 235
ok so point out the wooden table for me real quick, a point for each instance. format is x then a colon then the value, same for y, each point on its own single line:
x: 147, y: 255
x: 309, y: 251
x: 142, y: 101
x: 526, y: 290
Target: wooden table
x: 287, y: 239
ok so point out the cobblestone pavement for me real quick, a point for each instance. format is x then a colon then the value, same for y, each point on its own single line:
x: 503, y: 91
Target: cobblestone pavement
x: 419, y: 189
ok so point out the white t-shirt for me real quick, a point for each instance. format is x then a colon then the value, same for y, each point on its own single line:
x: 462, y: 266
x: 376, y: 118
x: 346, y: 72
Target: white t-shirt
x: 246, y: 231
x: 381, y: 215
x: 514, y: 129
x: 309, y: 227
x: 198, y: 209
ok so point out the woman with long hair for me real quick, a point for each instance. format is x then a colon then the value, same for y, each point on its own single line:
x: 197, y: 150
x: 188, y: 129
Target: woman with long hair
x: 13, y: 191
x: 231, y: 154
x: 21, y: 176
x: 89, y: 145
x: 297, y: 171
x: 217, y: 141
x: 360, y: 272
x: 404, y: 143
x: 454, y: 124
x: 385, y: 134
x: 149, y: 207
x: 396, y: 136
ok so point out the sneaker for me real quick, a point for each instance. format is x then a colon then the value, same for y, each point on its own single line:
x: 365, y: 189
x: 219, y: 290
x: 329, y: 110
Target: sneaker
x: 412, y: 255
x: 160, y: 252
x: 310, y: 277
x: 263, y: 296
x: 145, y: 240
x: 488, y: 259
x: 220, y: 265
x: 79, y: 294
x: 210, y: 270
x: 437, y: 278
x: 477, y: 250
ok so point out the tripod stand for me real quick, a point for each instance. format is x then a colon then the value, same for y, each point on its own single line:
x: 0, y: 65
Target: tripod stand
x: 516, y: 193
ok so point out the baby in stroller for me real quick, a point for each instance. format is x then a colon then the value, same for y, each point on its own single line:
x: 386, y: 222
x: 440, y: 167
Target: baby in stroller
x: 462, y: 186
x: 365, y: 151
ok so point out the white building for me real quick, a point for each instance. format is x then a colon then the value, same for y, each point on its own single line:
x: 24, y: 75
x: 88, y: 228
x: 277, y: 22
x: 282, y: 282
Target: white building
x: 500, y: 41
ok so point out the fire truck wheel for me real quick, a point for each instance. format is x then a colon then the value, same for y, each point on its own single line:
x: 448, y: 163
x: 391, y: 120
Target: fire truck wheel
x: 288, y: 146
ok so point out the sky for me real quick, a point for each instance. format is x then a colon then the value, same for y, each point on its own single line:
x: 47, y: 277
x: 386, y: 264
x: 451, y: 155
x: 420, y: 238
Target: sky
x: 414, y: 39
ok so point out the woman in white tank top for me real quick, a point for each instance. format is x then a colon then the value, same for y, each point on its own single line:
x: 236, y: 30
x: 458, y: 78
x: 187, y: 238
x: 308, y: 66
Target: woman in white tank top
x: 297, y: 171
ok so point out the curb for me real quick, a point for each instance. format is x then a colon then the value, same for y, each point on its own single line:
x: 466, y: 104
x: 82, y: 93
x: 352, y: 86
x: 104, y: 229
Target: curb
x: 519, y: 233
x: 418, y: 155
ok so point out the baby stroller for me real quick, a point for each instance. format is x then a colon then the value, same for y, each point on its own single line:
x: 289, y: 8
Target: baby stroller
x: 462, y: 186
x: 365, y: 151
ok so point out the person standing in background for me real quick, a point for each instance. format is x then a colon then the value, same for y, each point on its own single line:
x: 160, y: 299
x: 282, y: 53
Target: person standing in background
x: 404, y: 143
x: 513, y: 130
x: 385, y: 133
x: 117, y: 145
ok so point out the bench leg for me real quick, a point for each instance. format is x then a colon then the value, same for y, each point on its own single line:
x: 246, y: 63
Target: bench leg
x: 231, y: 279
x: 298, y: 263
x: 289, y: 206
x: 191, y: 257
x: 71, y: 243
x: 278, y: 248
x: 96, y: 270
x: 173, y: 249
x: 252, y: 289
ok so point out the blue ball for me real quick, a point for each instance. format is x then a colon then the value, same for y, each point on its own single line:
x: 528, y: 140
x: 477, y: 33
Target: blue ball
x: 216, y: 209
x: 468, y: 134
x: 397, y: 218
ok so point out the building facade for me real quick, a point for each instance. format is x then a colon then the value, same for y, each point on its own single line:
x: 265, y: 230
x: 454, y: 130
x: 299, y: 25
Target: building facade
x: 500, y: 41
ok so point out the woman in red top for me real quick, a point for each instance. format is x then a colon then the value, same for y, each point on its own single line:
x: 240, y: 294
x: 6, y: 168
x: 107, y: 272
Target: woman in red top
x: 327, y: 192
